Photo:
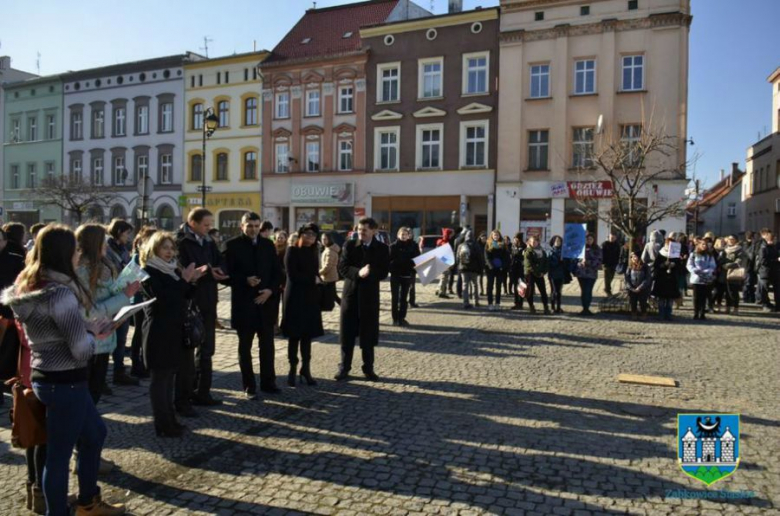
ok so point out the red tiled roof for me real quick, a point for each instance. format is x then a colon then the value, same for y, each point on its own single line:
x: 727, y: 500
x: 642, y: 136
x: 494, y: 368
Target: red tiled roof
x: 326, y: 29
x: 715, y: 194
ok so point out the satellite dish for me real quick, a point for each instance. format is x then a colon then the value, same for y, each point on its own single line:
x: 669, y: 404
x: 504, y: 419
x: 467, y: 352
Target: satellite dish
x: 600, y: 125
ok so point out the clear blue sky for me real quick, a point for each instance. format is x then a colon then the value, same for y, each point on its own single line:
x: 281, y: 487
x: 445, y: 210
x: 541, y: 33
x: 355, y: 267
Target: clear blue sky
x: 734, y: 48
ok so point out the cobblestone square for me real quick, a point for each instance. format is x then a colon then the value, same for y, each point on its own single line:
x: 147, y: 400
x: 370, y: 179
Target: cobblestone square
x: 477, y: 413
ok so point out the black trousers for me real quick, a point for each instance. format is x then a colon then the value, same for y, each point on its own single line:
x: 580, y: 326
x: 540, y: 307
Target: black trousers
x: 161, y: 392
x: 98, y: 369
x: 36, y: 460
x: 764, y: 284
x: 556, y: 293
x: 136, y: 345
x: 265, y: 344
x: 292, y: 352
x: 348, y: 351
x: 701, y: 296
x: 399, y: 295
x: 733, y: 290
x: 185, y: 379
x: 495, y: 279
x: 514, y: 279
x: 533, y: 283
x: 638, y: 301
x: 203, y: 357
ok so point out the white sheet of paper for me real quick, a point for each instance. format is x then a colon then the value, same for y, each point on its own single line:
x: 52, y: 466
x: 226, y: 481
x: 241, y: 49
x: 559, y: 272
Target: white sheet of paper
x: 444, y: 253
x: 431, y: 270
x: 129, y: 310
x: 674, y: 250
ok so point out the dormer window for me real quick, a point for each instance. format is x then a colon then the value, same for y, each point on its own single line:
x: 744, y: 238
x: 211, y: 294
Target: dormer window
x: 347, y: 35
x: 305, y: 41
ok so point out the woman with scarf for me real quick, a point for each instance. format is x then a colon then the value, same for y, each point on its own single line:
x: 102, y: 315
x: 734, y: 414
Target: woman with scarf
x: 733, y: 263
x: 163, y: 326
x: 496, y: 266
x: 665, y: 283
x: 587, y: 272
x: 702, y: 266
x: 559, y: 273
x: 535, y: 266
x: 48, y: 299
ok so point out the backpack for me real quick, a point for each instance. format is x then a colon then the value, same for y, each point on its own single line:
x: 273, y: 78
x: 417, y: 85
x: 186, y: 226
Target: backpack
x: 464, y: 254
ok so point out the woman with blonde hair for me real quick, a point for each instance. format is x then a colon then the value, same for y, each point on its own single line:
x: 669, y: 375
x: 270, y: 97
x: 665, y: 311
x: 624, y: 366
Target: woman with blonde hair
x: 98, y: 275
x: 163, y: 334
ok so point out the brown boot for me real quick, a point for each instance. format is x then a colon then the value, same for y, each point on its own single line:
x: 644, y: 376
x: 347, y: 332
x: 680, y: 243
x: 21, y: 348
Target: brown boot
x: 38, y: 501
x: 100, y: 508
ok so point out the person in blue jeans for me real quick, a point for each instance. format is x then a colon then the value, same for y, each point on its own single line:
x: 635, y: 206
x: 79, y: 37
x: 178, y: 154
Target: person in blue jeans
x: 47, y: 299
x: 587, y: 272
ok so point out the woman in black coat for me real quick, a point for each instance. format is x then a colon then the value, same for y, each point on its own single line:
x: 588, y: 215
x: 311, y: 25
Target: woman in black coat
x: 163, y: 333
x: 666, y: 288
x: 302, y: 319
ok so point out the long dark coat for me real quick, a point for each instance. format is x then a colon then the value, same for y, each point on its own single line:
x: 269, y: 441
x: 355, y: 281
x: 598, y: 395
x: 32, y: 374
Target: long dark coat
x: 302, y: 315
x: 163, y: 326
x: 203, y: 253
x: 360, y: 297
x: 245, y: 259
x: 666, y: 284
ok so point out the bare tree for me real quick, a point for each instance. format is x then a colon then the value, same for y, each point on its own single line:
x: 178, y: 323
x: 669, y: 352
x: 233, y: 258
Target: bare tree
x: 636, y: 164
x: 72, y: 194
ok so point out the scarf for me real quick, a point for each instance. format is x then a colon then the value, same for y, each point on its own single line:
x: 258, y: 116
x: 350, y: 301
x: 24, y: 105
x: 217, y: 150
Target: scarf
x: 74, y: 285
x: 733, y: 249
x: 169, y: 268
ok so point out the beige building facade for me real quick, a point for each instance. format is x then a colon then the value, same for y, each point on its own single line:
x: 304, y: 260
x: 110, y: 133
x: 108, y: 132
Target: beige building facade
x: 231, y: 86
x: 575, y: 75
x: 761, y: 187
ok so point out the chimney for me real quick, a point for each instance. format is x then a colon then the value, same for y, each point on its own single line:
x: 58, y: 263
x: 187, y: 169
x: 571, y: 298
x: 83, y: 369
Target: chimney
x: 734, y: 173
x: 722, y: 174
x: 456, y: 6
x: 5, y: 62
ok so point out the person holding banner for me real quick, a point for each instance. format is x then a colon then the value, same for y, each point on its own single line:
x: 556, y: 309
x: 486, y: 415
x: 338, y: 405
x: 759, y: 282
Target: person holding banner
x: 364, y: 263
x: 587, y: 272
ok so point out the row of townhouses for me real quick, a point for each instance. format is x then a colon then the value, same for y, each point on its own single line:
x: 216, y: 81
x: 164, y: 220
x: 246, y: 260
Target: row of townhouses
x: 485, y: 117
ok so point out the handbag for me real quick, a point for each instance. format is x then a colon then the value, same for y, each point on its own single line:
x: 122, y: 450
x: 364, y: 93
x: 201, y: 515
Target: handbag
x: 194, y: 330
x: 28, y: 414
x: 522, y: 288
x: 9, y: 348
x: 737, y: 275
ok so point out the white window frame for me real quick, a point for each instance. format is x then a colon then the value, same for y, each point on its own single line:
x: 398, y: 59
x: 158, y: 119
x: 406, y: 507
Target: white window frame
x: 48, y: 168
x: 731, y: 210
x: 142, y: 167
x: 313, y: 100
x: 97, y: 171
x: 16, y: 180
x: 218, y: 169
x: 226, y: 112
x: 419, y: 144
x: 464, y: 142
x: 119, y: 164
x: 380, y: 80
x: 539, y: 146
x: 16, y: 132
x: 279, y: 113
x: 166, y: 169
x: 120, y: 121
x: 142, y: 119
x: 282, y: 159
x: 422, y: 75
x: 584, y: 73
x: 309, y: 151
x: 166, y: 117
x: 32, y: 128
x: 379, y: 146
x: 345, y: 152
x: 467, y: 71
x: 197, y: 116
x: 51, y: 127
x: 346, y: 94
x: 250, y: 112
x: 244, y: 163
x: 580, y: 159
x: 538, y: 76
x: 76, y: 168
x: 99, y: 123
x: 630, y: 136
x: 632, y: 67
x: 77, y: 125
x: 32, y: 176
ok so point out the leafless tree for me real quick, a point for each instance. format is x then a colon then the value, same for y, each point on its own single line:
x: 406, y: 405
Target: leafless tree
x: 636, y: 163
x: 72, y: 194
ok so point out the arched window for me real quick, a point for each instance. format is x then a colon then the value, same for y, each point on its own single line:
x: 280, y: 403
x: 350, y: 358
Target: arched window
x: 250, y: 111
x: 197, y: 116
x: 196, y: 167
x: 222, y: 166
x: 250, y: 165
x: 223, y: 112
x: 165, y: 217
x: 95, y: 214
x: 118, y: 212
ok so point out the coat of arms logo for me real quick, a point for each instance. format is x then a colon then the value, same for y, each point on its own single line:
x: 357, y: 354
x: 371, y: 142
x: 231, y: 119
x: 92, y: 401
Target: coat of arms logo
x: 708, y: 445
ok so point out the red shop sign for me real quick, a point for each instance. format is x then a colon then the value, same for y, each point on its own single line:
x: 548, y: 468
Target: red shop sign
x: 590, y: 189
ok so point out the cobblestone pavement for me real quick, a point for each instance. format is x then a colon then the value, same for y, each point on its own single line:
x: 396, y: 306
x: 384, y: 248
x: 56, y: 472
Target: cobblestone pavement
x: 478, y: 412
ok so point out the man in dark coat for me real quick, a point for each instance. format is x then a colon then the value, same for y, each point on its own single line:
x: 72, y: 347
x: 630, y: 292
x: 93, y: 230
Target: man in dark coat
x: 196, y: 247
x: 768, y: 269
x: 364, y: 263
x: 749, y: 286
x: 610, y: 252
x: 255, y: 276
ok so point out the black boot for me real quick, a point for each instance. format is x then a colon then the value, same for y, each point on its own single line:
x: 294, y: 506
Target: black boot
x: 306, y: 359
x: 306, y: 375
x: 291, y: 374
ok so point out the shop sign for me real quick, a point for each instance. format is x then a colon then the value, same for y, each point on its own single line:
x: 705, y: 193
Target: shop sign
x: 581, y: 190
x: 360, y: 212
x: 26, y: 205
x: 223, y: 202
x: 333, y: 194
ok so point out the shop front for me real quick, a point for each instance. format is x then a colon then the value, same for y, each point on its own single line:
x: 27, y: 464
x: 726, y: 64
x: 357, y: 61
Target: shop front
x: 228, y: 208
x: 329, y: 205
x: 423, y: 215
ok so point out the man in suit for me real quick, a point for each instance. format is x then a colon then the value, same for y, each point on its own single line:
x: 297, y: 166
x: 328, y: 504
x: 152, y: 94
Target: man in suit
x: 196, y: 247
x: 255, y: 276
x: 364, y: 262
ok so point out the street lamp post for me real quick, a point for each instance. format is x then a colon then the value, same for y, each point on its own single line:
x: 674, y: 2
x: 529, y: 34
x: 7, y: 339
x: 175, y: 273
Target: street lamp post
x: 210, y: 123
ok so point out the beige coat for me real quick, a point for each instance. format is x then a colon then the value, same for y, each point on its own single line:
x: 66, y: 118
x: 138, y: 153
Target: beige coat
x: 330, y: 261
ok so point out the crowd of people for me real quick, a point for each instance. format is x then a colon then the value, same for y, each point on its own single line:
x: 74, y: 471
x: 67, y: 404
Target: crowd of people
x: 63, y: 291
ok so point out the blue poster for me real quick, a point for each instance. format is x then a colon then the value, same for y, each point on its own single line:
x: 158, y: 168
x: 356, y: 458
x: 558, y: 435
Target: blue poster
x: 574, y: 241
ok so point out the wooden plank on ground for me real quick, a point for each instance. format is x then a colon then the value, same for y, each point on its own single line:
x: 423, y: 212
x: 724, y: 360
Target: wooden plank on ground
x: 658, y: 381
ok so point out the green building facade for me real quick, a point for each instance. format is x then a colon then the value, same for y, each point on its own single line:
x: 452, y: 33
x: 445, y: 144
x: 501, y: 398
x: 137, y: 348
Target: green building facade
x: 32, y: 147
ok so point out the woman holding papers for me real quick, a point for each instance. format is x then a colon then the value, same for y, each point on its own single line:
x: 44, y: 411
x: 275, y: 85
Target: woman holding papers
x: 48, y: 299
x: 666, y: 268
x: 163, y: 337
x: 99, y: 277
